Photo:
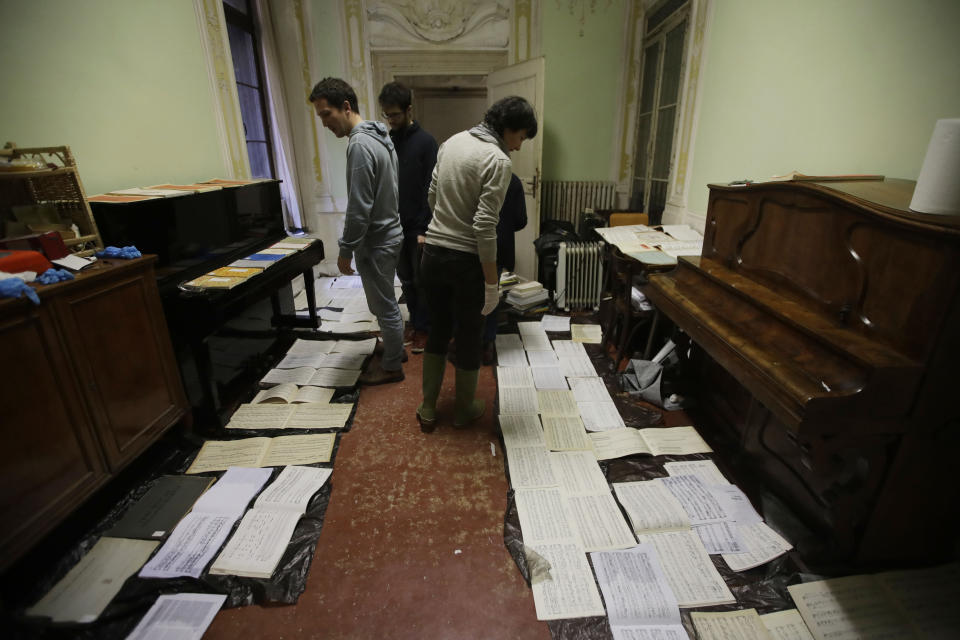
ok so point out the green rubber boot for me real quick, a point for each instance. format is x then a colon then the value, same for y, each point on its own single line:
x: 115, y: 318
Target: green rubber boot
x: 467, y: 406
x: 433, y: 366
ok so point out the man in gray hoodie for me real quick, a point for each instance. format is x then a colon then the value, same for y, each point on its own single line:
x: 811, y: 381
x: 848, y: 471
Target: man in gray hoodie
x: 371, y: 230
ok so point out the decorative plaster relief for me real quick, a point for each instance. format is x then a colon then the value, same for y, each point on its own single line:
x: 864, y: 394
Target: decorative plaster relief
x: 458, y: 23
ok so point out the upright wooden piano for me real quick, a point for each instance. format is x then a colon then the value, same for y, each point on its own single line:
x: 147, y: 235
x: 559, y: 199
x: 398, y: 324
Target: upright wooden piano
x: 825, y: 322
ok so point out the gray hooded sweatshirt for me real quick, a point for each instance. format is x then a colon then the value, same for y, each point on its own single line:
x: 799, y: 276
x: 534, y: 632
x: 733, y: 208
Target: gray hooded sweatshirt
x: 372, y: 219
x: 469, y: 183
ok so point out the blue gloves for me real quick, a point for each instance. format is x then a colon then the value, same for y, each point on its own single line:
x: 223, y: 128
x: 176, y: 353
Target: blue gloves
x: 14, y: 287
x: 51, y: 276
x: 127, y: 253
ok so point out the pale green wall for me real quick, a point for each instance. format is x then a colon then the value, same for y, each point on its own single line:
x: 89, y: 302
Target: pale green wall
x: 823, y: 86
x: 580, y: 89
x: 330, y: 60
x: 123, y: 83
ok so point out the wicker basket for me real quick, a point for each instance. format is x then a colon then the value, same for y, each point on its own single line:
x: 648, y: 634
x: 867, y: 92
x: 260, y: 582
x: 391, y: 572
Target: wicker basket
x: 58, y: 185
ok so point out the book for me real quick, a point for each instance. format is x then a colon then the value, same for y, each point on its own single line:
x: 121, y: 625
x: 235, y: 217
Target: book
x: 308, y: 376
x: 265, y: 531
x: 182, y: 615
x: 235, y: 272
x: 199, y: 188
x: 288, y: 416
x: 159, y: 193
x: 217, y: 455
x: 155, y: 514
x: 656, y: 441
x: 291, y: 393
x: 213, y: 282
x: 104, y: 197
x: 796, y: 176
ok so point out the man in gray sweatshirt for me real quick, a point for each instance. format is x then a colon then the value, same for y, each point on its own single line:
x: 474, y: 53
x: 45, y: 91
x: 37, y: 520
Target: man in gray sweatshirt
x: 371, y: 230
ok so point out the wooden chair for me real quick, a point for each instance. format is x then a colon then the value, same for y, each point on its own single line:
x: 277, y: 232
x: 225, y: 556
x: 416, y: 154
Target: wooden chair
x: 624, y: 218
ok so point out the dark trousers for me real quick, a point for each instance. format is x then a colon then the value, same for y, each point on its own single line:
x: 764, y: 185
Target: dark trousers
x: 408, y: 271
x: 453, y: 283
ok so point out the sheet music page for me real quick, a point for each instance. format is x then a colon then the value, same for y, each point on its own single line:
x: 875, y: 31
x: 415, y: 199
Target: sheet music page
x: 284, y: 393
x: 530, y: 328
x: 616, y: 443
x: 577, y: 367
x: 299, y: 376
x: 929, y: 596
x: 786, y: 625
x: 333, y: 378
x: 508, y: 341
x: 512, y: 357
x: 190, y: 547
x: 231, y: 494
x: 319, y: 416
x: 677, y: 249
x: 599, y: 521
x: 566, y: 433
x: 589, y: 389
x: 603, y: 416
x: 87, y: 589
x: 623, y: 238
x: 650, y: 632
x: 697, y: 500
x: 350, y: 361
x: 763, y: 544
x: 364, y: 347
x: 653, y: 238
x: 549, y: 377
x: 634, y: 587
x: 314, y: 395
x: 543, y: 518
x: 578, y: 473
x: 706, y: 470
x: 183, y: 616
x: 260, y: 416
x: 521, y: 431
x: 514, y: 377
x: 855, y: 607
x: 297, y: 360
x: 362, y: 315
x: 542, y: 358
x: 347, y: 282
x: 536, y: 342
x: 557, y: 403
x: 735, y: 502
x: 293, y: 488
x: 218, y: 455
x: 722, y: 537
x: 744, y: 624
x: 518, y: 401
x: 559, y: 324
x: 586, y: 333
x: 568, y: 348
x: 692, y: 576
x: 674, y: 441
x: 258, y: 544
x: 651, y: 507
x: 569, y: 591
x: 305, y: 449
x: 530, y: 468
x: 347, y: 328
x: 682, y: 232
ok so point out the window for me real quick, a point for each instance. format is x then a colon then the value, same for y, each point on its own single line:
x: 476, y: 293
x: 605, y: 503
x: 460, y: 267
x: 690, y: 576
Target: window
x: 245, y: 51
x: 664, y: 37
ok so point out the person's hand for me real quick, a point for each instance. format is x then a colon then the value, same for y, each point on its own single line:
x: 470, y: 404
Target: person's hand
x: 421, y: 240
x: 491, y: 298
x: 343, y: 264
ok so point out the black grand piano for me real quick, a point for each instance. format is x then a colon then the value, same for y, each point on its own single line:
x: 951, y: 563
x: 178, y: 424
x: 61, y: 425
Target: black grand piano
x: 825, y: 325
x: 197, y: 233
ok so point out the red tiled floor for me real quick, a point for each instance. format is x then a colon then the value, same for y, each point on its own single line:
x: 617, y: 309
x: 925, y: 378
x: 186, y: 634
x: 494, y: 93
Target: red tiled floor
x: 412, y: 542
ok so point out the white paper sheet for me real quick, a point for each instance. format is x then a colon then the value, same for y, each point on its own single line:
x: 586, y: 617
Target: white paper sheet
x: 559, y: 324
x: 530, y: 468
x: 599, y: 522
x: 722, y: 537
x: 299, y: 376
x: 617, y: 443
x: 514, y: 377
x: 258, y: 544
x: 586, y: 333
x: 548, y: 377
x: 763, y: 545
x: 182, y: 616
x: 744, y: 624
x: 589, y: 390
x: 706, y: 470
x: 521, y: 431
x: 512, y: 357
x: 667, y: 441
x: 634, y: 587
x: 570, y: 591
x: 531, y: 328
x: 543, y: 517
x: 319, y: 416
x: 505, y: 341
x: 190, y: 546
x: 566, y: 433
x: 601, y: 416
x: 577, y: 367
x: 87, y: 589
x: 697, y: 500
x: 542, y: 359
x: 518, y: 401
x: 929, y: 596
x: 231, y: 494
x: 851, y: 608
x: 557, y: 403
x: 293, y: 488
x: 568, y: 348
x: 333, y: 378
x: 650, y: 632
x: 651, y: 507
x: 578, y: 473
x: 786, y: 625
x: 736, y: 503
x: 536, y: 342
x: 364, y: 347
x: 692, y: 576
x: 682, y: 232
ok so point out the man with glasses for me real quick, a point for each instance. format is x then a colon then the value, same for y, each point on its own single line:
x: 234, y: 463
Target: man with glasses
x: 417, y: 154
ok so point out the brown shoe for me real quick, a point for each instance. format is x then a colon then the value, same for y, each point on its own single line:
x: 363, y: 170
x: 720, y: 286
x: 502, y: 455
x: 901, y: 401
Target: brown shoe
x: 378, y: 375
x: 419, y: 342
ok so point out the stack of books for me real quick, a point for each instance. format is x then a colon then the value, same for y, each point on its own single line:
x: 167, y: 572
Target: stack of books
x: 527, y: 295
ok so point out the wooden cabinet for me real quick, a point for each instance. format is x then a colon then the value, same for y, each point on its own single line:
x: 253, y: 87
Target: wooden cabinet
x: 89, y: 382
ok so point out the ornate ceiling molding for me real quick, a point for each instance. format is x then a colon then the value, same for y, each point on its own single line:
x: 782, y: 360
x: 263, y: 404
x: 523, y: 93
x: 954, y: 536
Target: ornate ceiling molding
x: 430, y: 23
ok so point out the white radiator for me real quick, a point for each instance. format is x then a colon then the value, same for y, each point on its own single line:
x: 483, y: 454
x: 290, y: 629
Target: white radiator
x: 579, y: 275
x: 567, y: 200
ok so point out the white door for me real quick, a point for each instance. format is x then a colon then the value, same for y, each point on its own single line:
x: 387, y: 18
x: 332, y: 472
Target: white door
x: 525, y: 80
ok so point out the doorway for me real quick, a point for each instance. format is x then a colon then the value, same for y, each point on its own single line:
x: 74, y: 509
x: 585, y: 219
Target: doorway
x: 447, y: 104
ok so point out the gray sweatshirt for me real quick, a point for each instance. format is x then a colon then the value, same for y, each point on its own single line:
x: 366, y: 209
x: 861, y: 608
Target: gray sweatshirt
x: 469, y: 183
x: 372, y: 218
